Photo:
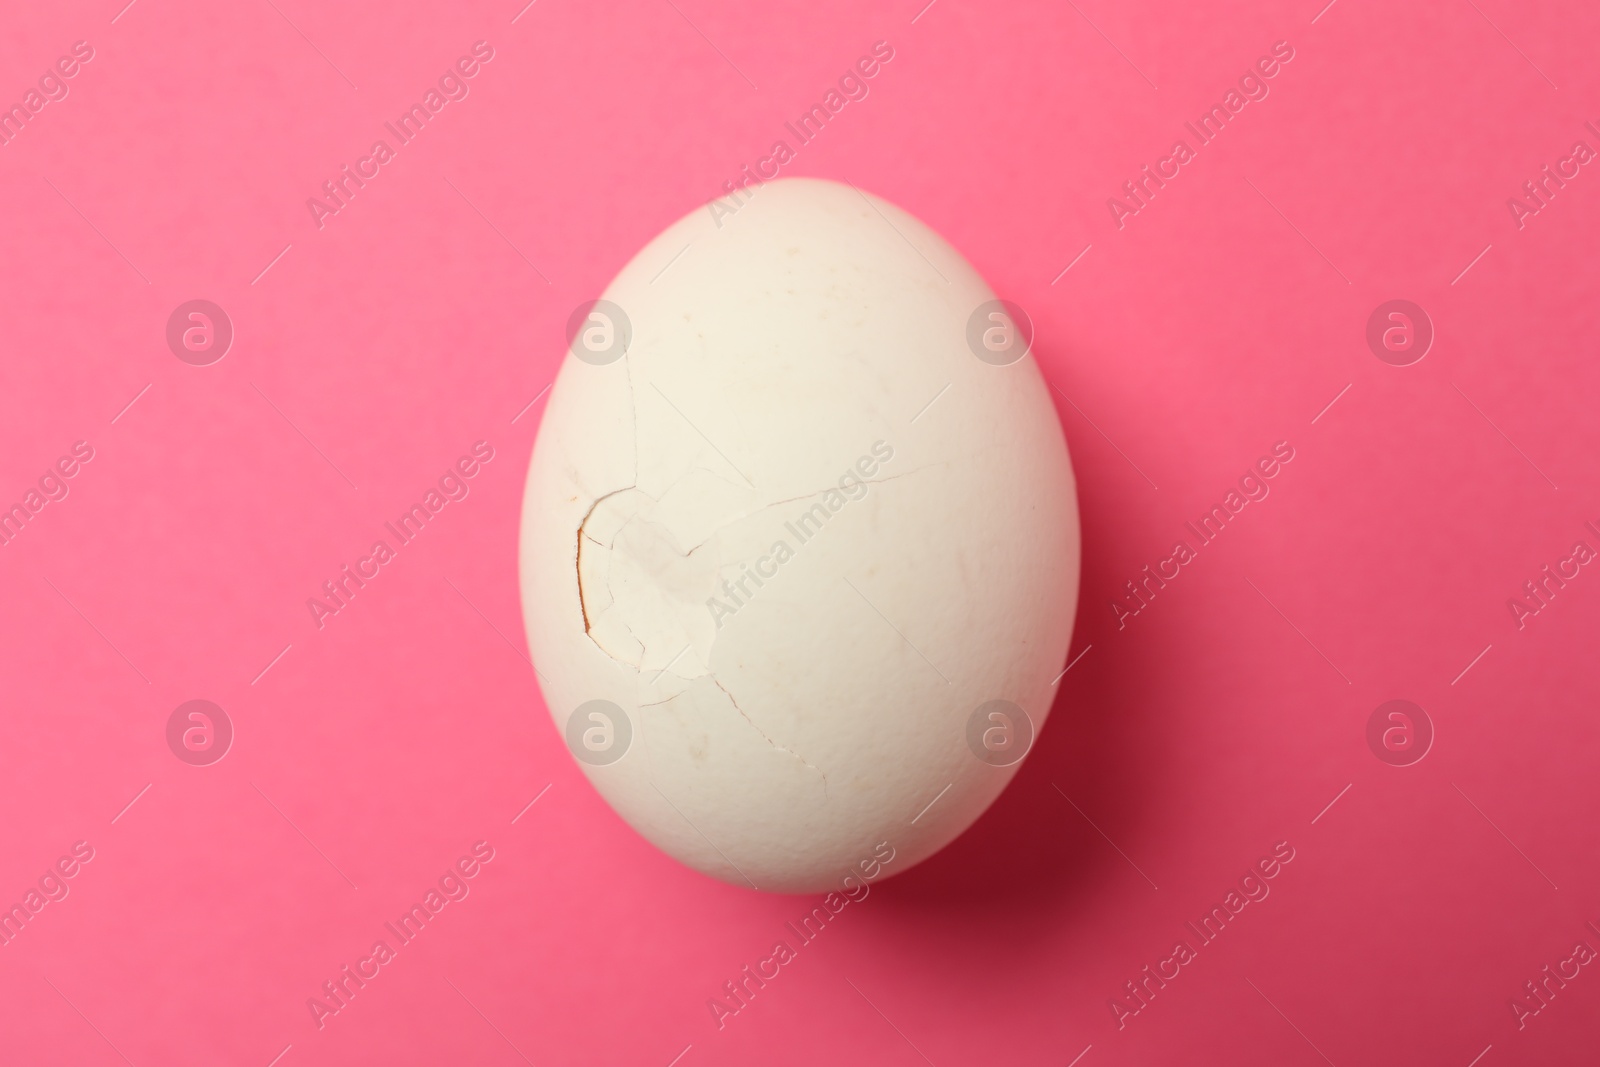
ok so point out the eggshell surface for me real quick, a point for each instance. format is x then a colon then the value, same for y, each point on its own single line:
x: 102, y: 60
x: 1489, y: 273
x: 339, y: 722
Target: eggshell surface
x: 799, y: 545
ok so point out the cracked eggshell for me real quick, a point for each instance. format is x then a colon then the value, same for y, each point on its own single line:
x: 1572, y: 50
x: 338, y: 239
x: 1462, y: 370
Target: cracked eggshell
x: 789, y: 531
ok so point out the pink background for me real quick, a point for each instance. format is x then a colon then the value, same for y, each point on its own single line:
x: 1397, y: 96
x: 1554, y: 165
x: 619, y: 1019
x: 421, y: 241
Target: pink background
x: 1223, y: 719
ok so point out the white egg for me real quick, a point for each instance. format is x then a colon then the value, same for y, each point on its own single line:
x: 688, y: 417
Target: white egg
x: 800, y: 541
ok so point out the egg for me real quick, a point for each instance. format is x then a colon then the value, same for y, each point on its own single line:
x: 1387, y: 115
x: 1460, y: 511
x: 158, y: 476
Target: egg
x: 799, y: 543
